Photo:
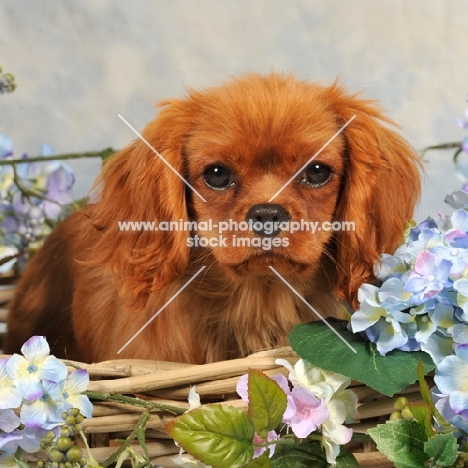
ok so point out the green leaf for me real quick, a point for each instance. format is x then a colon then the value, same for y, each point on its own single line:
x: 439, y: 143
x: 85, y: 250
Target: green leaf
x: 304, y: 455
x: 346, y: 459
x: 21, y: 463
x: 427, y: 397
x: 267, y: 402
x: 319, y: 345
x: 359, y: 438
x: 217, y: 435
x: 423, y: 415
x: 402, y: 442
x: 442, y: 448
x: 261, y: 462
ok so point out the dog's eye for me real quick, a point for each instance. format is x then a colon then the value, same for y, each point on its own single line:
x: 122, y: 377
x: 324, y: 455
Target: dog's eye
x: 218, y: 177
x: 316, y: 174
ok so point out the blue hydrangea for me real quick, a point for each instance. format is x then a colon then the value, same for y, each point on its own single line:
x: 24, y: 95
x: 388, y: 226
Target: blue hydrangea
x: 34, y: 196
x: 421, y: 300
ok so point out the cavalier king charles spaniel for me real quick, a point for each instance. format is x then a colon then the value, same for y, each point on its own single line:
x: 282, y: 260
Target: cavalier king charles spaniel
x: 264, y: 152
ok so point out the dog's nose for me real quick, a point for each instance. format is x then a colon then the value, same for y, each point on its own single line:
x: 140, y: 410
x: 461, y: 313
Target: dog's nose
x: 266, y: 219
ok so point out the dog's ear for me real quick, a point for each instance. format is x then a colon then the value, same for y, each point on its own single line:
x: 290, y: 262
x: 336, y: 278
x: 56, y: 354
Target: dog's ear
x: 382, y: 184
x: 137, y: 185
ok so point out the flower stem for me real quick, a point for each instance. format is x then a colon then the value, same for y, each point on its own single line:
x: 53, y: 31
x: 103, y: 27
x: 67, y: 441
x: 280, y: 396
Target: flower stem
x: 452, y: 145
x: 145, y: 416
x: 148, y: 405
x: 103, y: 154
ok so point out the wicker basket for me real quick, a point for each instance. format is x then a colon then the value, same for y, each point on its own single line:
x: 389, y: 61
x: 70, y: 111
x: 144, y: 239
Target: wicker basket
x: 169, y: 383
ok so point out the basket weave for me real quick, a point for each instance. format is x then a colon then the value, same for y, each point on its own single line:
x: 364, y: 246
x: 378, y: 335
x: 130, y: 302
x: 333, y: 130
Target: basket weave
x: 169, y: 383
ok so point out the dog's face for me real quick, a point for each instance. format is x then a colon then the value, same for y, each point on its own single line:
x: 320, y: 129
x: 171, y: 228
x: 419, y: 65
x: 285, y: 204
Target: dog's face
x: 244, y: 149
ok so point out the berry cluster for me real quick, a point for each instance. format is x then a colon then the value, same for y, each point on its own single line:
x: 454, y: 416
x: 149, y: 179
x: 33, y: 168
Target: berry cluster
x: 460, y: 462
x: 402, y: 410
x: 61, y: 452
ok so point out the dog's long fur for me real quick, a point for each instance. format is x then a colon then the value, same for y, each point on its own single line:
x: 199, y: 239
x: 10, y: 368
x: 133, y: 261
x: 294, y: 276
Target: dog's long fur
x: 92, y: 287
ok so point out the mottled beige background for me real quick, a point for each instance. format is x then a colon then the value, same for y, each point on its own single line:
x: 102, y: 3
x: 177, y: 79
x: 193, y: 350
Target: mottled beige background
x: 79, y: 63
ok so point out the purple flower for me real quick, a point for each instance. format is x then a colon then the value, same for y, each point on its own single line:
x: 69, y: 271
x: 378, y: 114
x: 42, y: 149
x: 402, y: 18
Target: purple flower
x: 258, y: 451
x: 464, y: 145
x: 46, y: 411
x: 59, y: 185
x: 8, y: 420
x: 10, y: 441
x: 462, y: 123
x: 311, y: 412
x: 6, y: 146
x: 281, y: 380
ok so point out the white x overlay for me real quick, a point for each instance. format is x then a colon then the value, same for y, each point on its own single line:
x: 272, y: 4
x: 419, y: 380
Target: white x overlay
x: 312, y: 158
x: 161, y: 309
x: 313, y: 310
x: 143, y: 139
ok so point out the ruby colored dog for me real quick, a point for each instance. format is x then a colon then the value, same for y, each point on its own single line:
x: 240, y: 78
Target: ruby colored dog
x: 93, y: 286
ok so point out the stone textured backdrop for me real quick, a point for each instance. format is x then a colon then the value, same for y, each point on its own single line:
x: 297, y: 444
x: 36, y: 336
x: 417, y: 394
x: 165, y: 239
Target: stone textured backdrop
x: 78, y: 64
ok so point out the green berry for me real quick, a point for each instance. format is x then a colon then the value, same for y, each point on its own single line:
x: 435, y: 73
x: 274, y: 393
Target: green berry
x: 463, y: 456
x: 55, y: 455
x: 77, y: 427
x: 395, y: 416
x: 68, y: 464
x: 64, y: 415
x: 75, y: 454
x: 63, y: 444
x: 70, y: 420
x: 65, y: 432
x: 401, y: 403
x: 79, y: 419
x: 40, y: 464
x: 73, y: 412
x: 407, y: 414
x: 83, y: 462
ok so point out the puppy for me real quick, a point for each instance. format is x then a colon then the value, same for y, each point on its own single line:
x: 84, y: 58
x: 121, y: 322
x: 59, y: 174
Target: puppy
x: 264, y: 151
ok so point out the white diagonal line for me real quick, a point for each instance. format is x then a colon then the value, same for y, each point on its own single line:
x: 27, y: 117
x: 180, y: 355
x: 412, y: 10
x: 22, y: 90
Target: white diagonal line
x: 162, y: 159
x: 161, y: 309
x: 313, y: 310
x: 312, y: 158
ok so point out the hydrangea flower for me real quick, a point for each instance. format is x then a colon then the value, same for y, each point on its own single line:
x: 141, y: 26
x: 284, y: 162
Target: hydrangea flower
x: 71, y: 392
x: 430, y: 275
x: 259, y: 451
x: 311, y: 412
x: 45, y: 411
x: 39, y: 197
x: 451, y: 393
x: 11, y: 441
x: 10, y: 397
x: 38, y: 384
x: 36, y: 366
x: 423, y: 291
x: 8, y: 420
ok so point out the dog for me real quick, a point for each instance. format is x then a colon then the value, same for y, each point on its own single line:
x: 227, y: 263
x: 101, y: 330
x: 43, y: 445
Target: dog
x: 262, y: 151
